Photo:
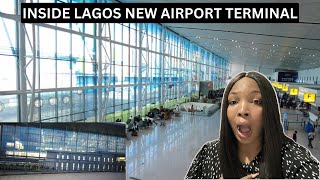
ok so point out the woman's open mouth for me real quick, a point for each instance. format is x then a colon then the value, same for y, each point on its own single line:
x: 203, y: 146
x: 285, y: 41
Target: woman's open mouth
x: 244, y: 131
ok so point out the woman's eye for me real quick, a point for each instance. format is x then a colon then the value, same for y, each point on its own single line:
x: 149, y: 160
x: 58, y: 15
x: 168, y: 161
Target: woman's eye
x: 257, y: 101
x: 233, y: 102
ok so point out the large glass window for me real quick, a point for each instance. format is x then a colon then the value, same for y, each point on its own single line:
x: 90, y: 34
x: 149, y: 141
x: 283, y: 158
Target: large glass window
x: 8, y: 54
x: 136, y: 65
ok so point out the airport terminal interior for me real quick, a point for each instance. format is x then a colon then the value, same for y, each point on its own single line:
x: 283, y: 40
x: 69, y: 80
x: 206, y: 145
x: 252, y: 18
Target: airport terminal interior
x: 163, y: 83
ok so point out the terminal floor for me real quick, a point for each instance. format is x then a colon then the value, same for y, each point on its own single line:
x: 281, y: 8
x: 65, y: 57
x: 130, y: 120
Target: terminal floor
x: 166, y: 152
x: 302, y: 136
x: 68, y: 176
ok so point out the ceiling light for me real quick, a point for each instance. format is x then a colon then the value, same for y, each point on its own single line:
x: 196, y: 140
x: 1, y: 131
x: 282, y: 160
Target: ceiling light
x: 252, y: 42
x: 289, y: 52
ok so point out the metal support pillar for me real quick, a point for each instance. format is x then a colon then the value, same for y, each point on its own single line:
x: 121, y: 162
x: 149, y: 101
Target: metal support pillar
x: 23, y: 117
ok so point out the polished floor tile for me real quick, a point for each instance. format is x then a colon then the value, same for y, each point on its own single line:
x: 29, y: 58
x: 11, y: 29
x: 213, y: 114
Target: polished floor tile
x: 166, y: 152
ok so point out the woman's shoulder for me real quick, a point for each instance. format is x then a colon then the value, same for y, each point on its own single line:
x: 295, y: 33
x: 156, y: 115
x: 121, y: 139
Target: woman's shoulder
x: 211, y: 146
x: 297, y: 161
x: 213, y: 143
x: 295, y: 151
x: 206, y: 164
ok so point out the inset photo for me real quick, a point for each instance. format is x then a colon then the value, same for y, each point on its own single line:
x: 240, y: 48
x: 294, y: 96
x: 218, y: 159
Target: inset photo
x: 63, y: 150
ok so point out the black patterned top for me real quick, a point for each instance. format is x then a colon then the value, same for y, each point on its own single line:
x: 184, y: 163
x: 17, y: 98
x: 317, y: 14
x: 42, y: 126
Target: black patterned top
x: 297, y: 163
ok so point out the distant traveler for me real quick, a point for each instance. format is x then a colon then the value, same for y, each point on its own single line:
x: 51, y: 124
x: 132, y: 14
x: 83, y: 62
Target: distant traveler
x: 177, y: 108
x: 177, y: 111
x: 294, y: 137
x: 310, y: 138
x: 131, y: 118
x: 192, y: 110
x: 252, y: 143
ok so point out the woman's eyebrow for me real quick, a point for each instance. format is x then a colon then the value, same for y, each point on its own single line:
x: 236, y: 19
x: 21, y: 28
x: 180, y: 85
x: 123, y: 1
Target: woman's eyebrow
x: 253, y: 91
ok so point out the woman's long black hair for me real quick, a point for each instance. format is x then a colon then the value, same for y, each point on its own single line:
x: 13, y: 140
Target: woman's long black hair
x: 272, y: 133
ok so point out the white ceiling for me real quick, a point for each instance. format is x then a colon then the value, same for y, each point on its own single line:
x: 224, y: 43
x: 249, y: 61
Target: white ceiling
x: 294, y: 46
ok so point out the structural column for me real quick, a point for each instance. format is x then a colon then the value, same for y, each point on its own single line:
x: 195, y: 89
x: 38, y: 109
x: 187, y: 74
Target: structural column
x: 140, y: 68
x: 23, y: 107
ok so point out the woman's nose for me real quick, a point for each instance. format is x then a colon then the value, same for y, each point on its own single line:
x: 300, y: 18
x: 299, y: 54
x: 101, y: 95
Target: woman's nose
x: 243, y: 114
x: 243, y: 111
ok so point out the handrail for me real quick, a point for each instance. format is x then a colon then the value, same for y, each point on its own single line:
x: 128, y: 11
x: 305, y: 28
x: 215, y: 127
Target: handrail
x: 293, y: 114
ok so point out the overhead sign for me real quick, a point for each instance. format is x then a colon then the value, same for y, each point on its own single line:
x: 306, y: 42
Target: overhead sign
x: 287, y: 76
x: 274, y: 84
x: 294, y: 91
x: 285, y: 88
x: 309, y: 97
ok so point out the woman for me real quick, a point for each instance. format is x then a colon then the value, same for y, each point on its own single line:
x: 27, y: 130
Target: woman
x: 252, y: 143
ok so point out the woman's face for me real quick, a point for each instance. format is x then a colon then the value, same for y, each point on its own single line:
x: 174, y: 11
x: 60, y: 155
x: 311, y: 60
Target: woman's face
x: 244, y: 111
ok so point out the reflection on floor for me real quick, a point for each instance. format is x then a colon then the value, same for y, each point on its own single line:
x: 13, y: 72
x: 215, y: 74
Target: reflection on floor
x: 166, y: 152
